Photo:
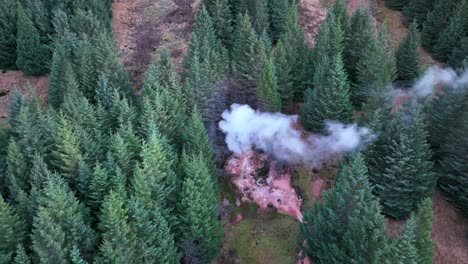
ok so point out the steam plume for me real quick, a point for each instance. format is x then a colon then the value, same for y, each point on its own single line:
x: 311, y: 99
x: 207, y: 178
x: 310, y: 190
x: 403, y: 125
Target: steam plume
x: 275, y: 134
x: 435, y: 76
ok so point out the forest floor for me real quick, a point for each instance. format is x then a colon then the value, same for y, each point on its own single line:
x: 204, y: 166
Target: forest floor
x: 11, y: 80
x: 144, y: 28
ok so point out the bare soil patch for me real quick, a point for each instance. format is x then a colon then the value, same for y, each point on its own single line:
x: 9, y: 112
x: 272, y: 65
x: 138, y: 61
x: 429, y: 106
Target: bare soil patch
x: 144, y: 28
x: 17, y: 80
x: 312, y: 14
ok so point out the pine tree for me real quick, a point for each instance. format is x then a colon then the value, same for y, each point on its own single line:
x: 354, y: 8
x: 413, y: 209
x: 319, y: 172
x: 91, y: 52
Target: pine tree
x: 404, y: 246
x: 329, y: 40
x: 17, y: 169
x: 284, y: 74
x: 49, y: 240
x: 298, y: 53
x: 396, y: 4
x: 118, y: 239
x: 66, y: 152
x: 222, y: 21
x: 21, y: 256
x: 416, y: 11
x: 14, y: 110
x: 330, y: 100
x: 436, y: 21
x: 453, y: 34
x: 198, y: 206
x: 32, y: 54
x: 453, y: 168
x: 459, y: 56
x: 407, y: 57
x: 8, y: 34
x: 99, y: 187
x: 401, y: 166
x: 340, y: 11
x: 423, y: 242
x: 348, y: 213
x: 155, y: 240
x: 278, y: 13
x: 64, y: 212
x: 258, y: 11
x: 12, y: 228
x: 268, y: 97
x: 357, y: 41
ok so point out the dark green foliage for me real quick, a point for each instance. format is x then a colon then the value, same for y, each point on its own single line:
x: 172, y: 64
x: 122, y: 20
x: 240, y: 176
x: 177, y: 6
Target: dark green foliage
x: 453, y: 167
x: 396, y: 4
x: 198, y: 206
x: 14, y: 110
x: 348, y: 213
x: 118, y: 239
x: 268, y: 97
x: 155, y: 240
x: 258, y: 11
x: 405, y: 250
x: 400, y: 167
x: 12, y: 228
x: 416, y: 11
x: 7, y: 34
x: 330, y: 39
x: 330, y: 100
x: 60, y: 210
x: 340, y: 11
x: 298, y: 54
x: 17, y: 177
x: 222, y: 21
x: 407, y: 58
x: 423, y: 242
x: 436, y: 21
x: 21, y: 256
x: 33, y: 56
x: 459, y: 57
x: 284, y: 74
x: 278, y: 14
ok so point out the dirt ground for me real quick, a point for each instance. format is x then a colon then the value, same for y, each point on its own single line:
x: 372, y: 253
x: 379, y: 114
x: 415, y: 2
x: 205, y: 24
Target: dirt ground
x: 144, y: 28
x: 312, y: 14
x: 11, y: 80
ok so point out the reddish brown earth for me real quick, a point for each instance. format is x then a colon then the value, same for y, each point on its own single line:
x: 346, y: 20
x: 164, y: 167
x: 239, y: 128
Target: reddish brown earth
x: 312, y: 14
x: 142, y: 28
x: 11, y: 80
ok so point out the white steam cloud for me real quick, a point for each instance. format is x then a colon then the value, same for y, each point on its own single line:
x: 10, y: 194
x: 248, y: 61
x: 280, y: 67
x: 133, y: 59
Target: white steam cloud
x: 275, y: 134
x: 435, y: 76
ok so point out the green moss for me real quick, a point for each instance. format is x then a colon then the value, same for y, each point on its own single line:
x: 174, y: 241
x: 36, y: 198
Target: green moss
x: 302, y: 183
x: 264, y: 238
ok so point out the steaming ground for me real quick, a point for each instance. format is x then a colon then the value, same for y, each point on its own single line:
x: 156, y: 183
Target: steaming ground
x: 275, y: 134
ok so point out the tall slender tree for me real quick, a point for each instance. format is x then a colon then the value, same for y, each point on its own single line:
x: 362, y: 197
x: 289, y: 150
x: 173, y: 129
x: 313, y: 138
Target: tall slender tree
x: 267, y: 89
x: 8, y: 34
x: 407, y: 57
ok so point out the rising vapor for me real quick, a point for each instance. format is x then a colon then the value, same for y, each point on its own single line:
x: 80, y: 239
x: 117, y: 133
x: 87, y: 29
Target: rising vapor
x: 275, y: 133
x: 435, y: 76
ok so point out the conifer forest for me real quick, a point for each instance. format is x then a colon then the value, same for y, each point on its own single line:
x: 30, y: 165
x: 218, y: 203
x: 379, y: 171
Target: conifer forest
x: 233, y: 131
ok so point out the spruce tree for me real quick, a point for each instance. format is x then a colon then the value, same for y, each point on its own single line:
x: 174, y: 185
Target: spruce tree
x: 330, y: 100
x: 65, y: 213
x: 407, y: 58
x: 329, y: 40
x: 258, y: 11
x: 268, y: 97
x: 452, y: 165
x: 14, y: 110
x: 423, y: 242
x: 21, y: 256
x: 405, y: 251
x: 198, y: 206
x: 416, y: 11
x: 436, y: 21
x: 66, y: 152
x: 118, y: 239
x: 401, y: 167
x: 284, y: 74
x: 8, y: 35
x: 12, y: 228
x: 459, y: 56
x: 49, y: 244
x: 32, y: 54
x: 278, y: 12
x: 348, y: 213
x: 222, y: 21
x: 155, y: 240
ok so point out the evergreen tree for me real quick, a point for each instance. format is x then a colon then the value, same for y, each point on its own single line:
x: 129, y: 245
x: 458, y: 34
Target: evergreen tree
x: 453, y: 168
x: 348, y: 213
x: 459, y: 56
x: 329, y: 40
x: 32, y: 54
x: 12, y: 228
x: 155, y: 240
x: 416, y: 11
x: 118, y: 239
x: 14, y: 110
x: 396, y: 4
x: 330, y: 100
x: 401, y: 167
x: 268, y: 97
x: 49, y: 240
x: 21, y: 256
x: 423, y: 242
x: 99, y: 187
x: 405, y: 251
x: 278, y: 13
x: 198, y: 206
x: 340, y: 11
x: 407, y: 57
x: 284, y: 74
x: 64, y: 212
x: 222, y: 21
x: 436, y: 21
x: 298, y: 53
x: 17, y: 176
x: 66, y: 152
x: 8, y: 34
x: 258, y: 11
